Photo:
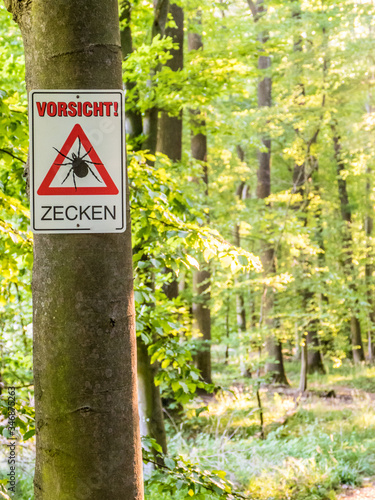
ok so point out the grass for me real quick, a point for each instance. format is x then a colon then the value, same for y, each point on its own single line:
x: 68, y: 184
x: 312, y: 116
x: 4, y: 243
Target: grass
x: 310, y: 451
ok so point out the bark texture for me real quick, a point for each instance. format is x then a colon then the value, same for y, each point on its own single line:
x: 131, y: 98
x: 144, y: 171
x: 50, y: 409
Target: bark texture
x: 88, y: 444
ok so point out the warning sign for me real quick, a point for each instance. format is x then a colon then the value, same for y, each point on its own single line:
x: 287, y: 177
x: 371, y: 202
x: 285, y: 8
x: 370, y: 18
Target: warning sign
x: 82, y: 163
x: 77, y: 151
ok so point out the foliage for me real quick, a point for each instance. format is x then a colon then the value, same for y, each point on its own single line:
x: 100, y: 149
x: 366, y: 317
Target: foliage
x: 15, y: 240
x: 322, y: 72
x: 308, y: 452
x: 181, y: 477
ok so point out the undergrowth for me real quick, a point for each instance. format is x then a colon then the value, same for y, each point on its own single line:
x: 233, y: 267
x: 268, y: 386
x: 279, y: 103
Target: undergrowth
x: 312, y: 446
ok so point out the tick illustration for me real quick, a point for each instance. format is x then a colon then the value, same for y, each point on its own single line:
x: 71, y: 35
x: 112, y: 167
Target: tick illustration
x: 79, y: 166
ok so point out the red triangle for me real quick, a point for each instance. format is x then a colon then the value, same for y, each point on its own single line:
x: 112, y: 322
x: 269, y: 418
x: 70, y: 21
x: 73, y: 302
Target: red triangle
x: 46, y: 188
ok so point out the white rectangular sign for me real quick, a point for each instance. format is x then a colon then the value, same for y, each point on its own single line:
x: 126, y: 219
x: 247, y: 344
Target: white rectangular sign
x: 77, y: 167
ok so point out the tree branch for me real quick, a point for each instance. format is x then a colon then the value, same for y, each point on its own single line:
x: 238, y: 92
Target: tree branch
x: 253, y: 8
x: 12, y: 155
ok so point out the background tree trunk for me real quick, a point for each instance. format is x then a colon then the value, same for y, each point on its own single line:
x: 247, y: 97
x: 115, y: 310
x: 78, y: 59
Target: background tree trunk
x: 134, y: 124
x: 150, y: 122
x: 87, y: 427
x: 202, y: 320
x: 314, y: 354
x: 149, y: 398
x: 240, y: 301
x: 273, y: 345
x: 369, y: 269
x: 355, y: 326
x: 150, y: 407
x: 303, y: 375
x: 201, y: 278
x: 170, y: 127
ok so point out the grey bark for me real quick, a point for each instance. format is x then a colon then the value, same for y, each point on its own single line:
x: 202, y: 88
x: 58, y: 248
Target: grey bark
x: 87, y: 429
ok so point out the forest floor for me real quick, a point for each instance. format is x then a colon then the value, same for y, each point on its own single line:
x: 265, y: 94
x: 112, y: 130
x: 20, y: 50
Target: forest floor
x: 365, y: 493
x: 316, y: 447
x: 320, y: 446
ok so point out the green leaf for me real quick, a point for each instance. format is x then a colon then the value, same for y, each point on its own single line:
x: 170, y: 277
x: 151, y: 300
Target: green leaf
x: 243, y: 260
x: 29, y: 434
x: 192, y: 261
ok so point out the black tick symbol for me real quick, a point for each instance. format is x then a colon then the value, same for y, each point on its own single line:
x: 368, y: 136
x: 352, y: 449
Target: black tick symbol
x: 80, y: 167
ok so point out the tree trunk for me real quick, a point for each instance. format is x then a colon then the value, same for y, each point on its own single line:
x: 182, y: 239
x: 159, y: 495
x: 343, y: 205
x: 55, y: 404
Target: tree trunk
x: 227, y: 329
x: 303, y: 376
x: 273, y: 345
x: 369, y: 270
x: 150, y: 407
x: 149, y: 398
x: 310, y: 354
x: 240, y: 301
x: 134, y: 125
x: 311, y: 357
x: 87, y: 428
x: 201, y: 278
x: 150, y: 122
x: 202, y: 320
x: 151, y: 410
x: 314, y: 355
x: 346, y: 214
x: 170, y: 127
